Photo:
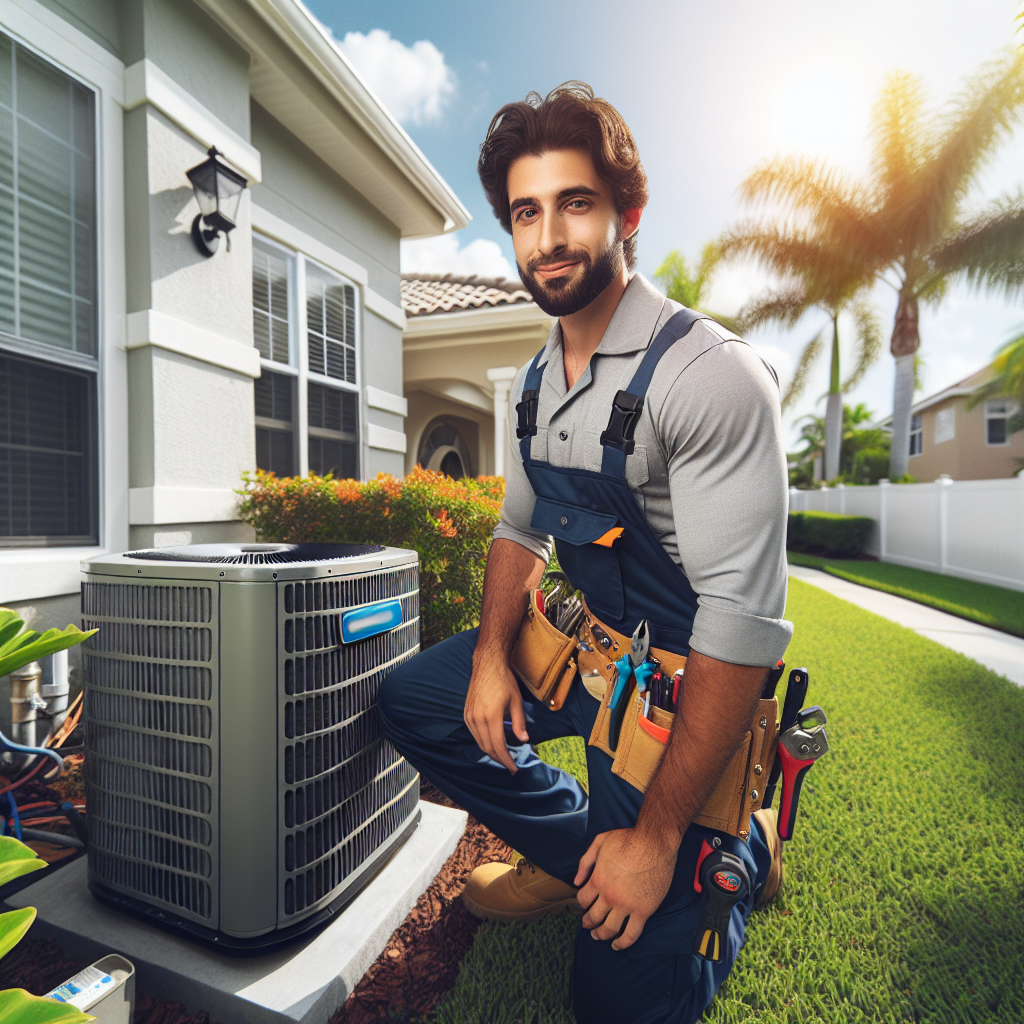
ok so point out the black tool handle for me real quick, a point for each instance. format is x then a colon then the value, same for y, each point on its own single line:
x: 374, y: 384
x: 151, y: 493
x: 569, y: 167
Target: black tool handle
x: 772, y: 680
x: 725, y: 882
x: 796, y: 694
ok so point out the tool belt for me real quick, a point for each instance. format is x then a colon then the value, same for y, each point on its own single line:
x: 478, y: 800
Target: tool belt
x: 546, y: 660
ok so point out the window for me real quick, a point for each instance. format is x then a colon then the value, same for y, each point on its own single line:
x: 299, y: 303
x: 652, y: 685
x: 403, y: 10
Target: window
x: 916, y: 435
x: 307, y: 401
x: 331, y: 326
x: 48, y: 333
x: 945, y: 424
x: 998, y: 417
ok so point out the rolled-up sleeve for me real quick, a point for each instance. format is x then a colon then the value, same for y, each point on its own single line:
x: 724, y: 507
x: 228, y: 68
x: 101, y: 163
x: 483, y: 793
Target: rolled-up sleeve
x: 517, y: 510
x: 722, y: 431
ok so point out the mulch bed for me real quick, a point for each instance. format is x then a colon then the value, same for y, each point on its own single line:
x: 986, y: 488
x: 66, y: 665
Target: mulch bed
x: 421, y: 960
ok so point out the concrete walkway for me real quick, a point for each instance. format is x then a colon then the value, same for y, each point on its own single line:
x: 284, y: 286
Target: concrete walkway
x: 998, y: 651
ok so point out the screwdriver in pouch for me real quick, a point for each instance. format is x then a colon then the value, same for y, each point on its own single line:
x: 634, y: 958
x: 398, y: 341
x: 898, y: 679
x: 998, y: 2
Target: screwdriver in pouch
x: 724, y: 881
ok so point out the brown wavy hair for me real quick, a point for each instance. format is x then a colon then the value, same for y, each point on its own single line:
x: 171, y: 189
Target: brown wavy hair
x: 569, y: 117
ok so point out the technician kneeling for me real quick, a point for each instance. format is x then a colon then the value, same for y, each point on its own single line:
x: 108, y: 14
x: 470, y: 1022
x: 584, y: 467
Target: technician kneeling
x: 647, y: 442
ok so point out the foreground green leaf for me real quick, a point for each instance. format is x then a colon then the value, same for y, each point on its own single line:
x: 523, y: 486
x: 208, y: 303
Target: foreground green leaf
x: 20, y: 1007
x: 31, y: 646
x: 16, y: 859
x: 13, y: 926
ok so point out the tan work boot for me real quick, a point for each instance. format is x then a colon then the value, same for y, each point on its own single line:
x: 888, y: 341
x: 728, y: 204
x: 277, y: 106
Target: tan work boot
x: 769, y: 822
x: 501, y: 892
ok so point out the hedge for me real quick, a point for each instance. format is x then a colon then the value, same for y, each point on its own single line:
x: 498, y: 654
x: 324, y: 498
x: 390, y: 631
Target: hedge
x: 828, y: 533
x: 448, y: 522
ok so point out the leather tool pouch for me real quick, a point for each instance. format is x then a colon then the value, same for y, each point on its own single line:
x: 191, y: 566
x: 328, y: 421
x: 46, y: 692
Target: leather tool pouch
x: 544, y: 658
x: 641, y: 746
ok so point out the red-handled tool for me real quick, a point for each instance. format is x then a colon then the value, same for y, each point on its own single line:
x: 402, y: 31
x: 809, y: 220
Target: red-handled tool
x: 799, y: 747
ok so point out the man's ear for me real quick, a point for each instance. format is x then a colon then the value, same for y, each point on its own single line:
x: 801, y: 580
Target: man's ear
x: 631, y: 221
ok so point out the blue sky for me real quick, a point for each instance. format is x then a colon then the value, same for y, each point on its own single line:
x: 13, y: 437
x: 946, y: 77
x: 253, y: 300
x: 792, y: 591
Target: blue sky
x: 709, y: 90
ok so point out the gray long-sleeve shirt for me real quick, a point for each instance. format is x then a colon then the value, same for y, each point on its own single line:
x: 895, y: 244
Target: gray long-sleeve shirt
x: 708, y: 471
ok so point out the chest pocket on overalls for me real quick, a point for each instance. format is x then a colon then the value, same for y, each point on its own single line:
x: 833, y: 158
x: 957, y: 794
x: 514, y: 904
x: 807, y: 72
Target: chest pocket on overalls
x: 593, y: 568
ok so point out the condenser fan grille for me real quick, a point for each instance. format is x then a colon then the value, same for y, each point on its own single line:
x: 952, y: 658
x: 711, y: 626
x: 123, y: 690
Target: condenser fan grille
x: 256, y: 554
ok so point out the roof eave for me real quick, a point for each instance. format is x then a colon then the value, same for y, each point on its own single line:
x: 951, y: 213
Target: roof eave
x: 310, y: 43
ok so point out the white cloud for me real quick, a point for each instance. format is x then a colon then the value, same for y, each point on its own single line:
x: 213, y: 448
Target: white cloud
x: 413, y: 82
x: 442, y: 255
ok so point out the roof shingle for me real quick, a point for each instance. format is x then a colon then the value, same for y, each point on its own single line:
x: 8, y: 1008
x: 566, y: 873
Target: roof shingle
x: 423, y: 294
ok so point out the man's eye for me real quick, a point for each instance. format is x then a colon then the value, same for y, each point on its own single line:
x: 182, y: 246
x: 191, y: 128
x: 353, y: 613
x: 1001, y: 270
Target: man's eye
x: 578, y: 204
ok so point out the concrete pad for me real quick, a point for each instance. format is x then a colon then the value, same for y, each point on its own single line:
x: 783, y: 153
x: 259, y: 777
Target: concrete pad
x: 303, y: 984
x: 1001, y: 652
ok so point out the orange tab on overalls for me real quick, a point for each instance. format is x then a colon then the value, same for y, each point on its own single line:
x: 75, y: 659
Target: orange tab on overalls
x: 609, y: 538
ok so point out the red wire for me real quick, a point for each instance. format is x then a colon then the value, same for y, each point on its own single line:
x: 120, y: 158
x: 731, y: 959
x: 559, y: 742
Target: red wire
x: 22, y: 781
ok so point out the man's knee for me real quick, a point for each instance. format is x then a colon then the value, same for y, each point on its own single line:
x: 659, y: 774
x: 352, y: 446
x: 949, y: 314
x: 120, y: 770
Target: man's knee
x: 393, y: 696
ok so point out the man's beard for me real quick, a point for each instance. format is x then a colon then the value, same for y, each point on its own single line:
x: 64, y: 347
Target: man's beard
x: 562, y: 296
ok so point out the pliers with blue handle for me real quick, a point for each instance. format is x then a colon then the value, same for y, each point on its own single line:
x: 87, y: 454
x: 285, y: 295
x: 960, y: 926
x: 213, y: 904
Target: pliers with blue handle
x: 633, y: 665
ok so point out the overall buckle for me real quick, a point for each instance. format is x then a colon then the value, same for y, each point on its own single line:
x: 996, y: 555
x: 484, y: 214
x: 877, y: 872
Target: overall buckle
x: 626, y: 410
x: 526, y: 413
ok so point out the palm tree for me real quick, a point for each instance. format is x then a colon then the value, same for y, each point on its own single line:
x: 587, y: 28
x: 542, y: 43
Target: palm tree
x: 818, y: 275
x: 908, y: 223
x: 692, y: 290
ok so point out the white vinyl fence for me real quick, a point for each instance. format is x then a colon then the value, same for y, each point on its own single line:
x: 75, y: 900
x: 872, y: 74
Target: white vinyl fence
x: 968, y: 528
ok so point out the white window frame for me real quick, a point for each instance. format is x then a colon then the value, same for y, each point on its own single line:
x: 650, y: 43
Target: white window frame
x: 917, y: 432
x: 1009, y: 407
x: 32, y: 572
x: 298, y: 350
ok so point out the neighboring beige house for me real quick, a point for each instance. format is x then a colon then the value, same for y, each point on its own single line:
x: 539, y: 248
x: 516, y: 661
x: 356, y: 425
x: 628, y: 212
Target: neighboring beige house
x: 965, y: 444
x: 464, y: 341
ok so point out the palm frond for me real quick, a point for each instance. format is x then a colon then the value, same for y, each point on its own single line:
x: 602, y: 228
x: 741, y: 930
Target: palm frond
x: 710, y: 257
x: 967, y: 134
x: 899, y: 134
x: 988, y: 252
x: 869, y: 342
x: 803, y: 368
x: 783, y: 307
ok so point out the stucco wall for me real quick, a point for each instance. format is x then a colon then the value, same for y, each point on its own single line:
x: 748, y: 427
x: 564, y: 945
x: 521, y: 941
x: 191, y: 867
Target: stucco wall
x: 100, y: 20
x: 424, y: 407
x: 966, y: 456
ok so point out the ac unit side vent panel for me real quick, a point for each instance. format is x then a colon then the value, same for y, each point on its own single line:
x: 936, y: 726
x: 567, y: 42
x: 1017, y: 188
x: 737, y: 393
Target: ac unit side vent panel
x: 151, y: 676
x: 186, y: 682
x: 154, y: 787
x: 186, y: 893
x: 157, y: 604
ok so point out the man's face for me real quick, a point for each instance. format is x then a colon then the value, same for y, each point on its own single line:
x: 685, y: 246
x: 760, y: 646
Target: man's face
x: 566, y: 231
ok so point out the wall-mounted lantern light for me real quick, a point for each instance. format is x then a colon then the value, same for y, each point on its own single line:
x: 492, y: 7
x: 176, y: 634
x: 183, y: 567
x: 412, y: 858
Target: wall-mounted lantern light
x: 218, y: 191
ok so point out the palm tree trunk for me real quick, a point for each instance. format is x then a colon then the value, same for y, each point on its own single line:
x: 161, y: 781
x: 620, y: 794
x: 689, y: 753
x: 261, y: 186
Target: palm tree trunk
x: 833, y: 410
x: 906, y: 340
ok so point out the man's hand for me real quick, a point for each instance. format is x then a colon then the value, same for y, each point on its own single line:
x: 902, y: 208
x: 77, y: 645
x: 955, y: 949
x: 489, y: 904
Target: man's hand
x: 492, y: 690
x: 631, y: 875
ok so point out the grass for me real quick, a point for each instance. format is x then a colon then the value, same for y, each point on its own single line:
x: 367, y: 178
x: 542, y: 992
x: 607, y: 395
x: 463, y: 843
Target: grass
x: 902, y: 899
x: 980, y: 602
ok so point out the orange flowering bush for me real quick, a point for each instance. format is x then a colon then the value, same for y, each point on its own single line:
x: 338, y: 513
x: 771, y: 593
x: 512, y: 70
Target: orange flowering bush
x: 448, y: 522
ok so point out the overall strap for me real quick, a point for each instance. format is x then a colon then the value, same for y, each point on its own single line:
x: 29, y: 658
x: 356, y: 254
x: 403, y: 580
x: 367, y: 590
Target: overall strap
x: 526, y: 408
x: 628, y: 405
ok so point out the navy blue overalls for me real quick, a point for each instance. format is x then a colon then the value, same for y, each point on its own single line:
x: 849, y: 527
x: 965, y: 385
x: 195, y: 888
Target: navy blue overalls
x: 543, y: 812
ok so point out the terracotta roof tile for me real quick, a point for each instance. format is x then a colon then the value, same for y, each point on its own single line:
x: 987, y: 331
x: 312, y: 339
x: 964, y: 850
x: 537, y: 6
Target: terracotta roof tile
x: 423, y: 294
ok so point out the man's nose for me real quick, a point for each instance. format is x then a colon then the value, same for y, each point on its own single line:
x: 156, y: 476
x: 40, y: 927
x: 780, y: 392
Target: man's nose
x: 552, y: 234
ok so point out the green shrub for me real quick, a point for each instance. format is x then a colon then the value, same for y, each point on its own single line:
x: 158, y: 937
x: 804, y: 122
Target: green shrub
x: 448, y: 522
x: 828, y: 533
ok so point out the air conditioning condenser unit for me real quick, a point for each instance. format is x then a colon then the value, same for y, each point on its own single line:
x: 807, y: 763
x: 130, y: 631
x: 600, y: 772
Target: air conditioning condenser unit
x: 238, y: 785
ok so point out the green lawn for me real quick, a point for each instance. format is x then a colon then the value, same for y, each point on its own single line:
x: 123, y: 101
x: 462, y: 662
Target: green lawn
x: 902, y: 899
x: 980, y: 602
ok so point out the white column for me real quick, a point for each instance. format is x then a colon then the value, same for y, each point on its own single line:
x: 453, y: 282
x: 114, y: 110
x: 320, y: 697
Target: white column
x: 501, y: 377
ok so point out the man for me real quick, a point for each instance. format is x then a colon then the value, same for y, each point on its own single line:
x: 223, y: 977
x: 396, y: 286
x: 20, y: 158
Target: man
x: 701, y: 499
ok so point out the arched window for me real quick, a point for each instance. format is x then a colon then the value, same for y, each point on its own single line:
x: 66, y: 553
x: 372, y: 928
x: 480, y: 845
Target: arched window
x: 446, y: 446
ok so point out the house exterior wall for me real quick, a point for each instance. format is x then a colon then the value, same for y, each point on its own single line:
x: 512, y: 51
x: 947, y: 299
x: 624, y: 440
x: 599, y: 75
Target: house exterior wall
x: 965, y: 456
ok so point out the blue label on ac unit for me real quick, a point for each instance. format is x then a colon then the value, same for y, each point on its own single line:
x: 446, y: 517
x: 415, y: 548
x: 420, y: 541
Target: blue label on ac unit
x: 371, y: 620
